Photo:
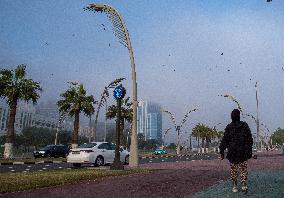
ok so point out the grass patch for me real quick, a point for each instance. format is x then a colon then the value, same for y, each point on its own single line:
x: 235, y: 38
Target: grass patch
x: 31, y: 160
x: 11, y: 182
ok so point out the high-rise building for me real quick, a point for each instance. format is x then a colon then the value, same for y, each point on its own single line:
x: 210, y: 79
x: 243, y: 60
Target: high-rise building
x: 149, y: 120
x: 24, y: 117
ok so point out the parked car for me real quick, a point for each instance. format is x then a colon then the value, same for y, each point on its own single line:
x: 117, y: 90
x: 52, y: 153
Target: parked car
x: 97, y: 153
x: 52, y: 151
x: 160, y: 152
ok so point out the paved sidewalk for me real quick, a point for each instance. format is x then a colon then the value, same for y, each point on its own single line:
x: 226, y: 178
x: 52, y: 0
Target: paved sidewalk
x: 267, y: 184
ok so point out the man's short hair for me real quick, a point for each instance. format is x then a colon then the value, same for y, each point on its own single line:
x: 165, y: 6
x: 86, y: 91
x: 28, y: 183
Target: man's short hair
x: 235, y: 115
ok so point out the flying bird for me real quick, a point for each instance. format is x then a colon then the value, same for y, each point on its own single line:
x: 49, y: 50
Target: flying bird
x: 103, y: 25
x: 104, y: 29
x: 169, y: 55
x: 109, y: 44
x: 283, y: 68
x: 228, y: 70
x: 73, y: 35
x: 46, y: 43
x: 222, y: 54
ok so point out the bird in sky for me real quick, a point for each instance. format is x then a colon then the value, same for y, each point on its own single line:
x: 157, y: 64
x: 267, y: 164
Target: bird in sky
x: 73, y: 35
x: 222, y: 54
x: 283, y: 68
x: 46, y: 43
x: 103, y: 25
x: 109, y: 44
x: 169, y: 54
x: 228, y: 70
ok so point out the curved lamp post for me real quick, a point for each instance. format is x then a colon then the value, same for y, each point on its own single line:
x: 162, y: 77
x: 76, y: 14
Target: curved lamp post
x: 165, y: 133
x: 178, y: 127
x: 234, y: 100
x: 121, y: 32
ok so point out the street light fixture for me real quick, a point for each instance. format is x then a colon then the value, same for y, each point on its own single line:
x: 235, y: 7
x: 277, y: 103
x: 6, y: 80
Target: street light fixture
x: 165, y: 136
x: 121, y: 32
x: 234, y: 100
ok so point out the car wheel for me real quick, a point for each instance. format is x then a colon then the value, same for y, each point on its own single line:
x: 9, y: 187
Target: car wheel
x: 99, y: 161
x: 77, y: 165
x: 126, y: 161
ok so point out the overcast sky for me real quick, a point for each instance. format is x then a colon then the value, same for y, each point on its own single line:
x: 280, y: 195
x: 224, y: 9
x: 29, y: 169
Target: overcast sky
x: 186, y: 53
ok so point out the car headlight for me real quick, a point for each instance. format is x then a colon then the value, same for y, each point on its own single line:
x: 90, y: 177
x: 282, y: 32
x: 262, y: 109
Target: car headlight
x: 42, y: 152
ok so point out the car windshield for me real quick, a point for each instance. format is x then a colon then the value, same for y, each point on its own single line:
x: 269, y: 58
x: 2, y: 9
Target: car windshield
x: 46, y: 148
x: 87, y: 145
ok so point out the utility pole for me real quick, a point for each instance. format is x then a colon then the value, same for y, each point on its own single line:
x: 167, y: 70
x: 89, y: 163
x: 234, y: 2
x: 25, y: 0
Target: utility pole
x: 257, y: 119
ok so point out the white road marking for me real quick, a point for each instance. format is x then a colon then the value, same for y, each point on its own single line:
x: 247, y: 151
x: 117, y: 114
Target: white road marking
x: 39, y: 170
x: 24, y: 171
x: 68, y: 168
x: 27, y: 169
x: 12, y: 170
x: 44, y: 168
x: 59, y: 167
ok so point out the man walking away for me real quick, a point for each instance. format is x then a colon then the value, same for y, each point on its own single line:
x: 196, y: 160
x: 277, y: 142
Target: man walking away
x: 238, y: 140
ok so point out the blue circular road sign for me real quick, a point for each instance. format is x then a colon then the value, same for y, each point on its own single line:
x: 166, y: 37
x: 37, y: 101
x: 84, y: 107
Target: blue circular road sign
x: 119, y: 92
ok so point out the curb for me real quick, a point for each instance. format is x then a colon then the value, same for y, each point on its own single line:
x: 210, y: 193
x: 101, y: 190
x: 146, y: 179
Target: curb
x: 171, y: 156
x: 39, y: 162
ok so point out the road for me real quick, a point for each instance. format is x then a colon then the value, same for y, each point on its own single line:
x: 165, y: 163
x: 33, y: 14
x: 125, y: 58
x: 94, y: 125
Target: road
x: 54, y: 166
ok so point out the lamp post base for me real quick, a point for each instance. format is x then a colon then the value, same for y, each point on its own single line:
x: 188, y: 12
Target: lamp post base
x: 117, y: 165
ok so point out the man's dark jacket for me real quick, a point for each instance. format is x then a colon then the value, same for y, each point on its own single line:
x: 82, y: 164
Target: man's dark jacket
x: 238, y: 140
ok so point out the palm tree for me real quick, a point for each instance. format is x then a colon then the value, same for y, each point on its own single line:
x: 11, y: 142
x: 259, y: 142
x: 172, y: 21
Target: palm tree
x: 75, y: 101
x: 126, y: 113
x: 104, y: 96
x: 15, y: 87
x: 203, y: 132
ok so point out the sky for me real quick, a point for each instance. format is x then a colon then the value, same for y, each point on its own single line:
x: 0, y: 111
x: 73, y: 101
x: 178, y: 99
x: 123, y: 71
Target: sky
x: 186, y: 53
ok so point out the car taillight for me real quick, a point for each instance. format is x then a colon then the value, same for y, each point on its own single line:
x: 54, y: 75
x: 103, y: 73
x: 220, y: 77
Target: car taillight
x: 87, y: 151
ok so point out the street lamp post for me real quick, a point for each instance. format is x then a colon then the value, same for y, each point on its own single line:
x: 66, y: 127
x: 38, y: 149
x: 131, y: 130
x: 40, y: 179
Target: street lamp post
x: 121, y: 32
x: 178, y: 127
x: 61, y: 117
x: 257, y: 119
x: 163, y: 144
x: 234, y: 100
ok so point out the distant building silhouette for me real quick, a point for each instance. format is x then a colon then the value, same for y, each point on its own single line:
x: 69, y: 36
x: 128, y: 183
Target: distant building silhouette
x: 149, y: 121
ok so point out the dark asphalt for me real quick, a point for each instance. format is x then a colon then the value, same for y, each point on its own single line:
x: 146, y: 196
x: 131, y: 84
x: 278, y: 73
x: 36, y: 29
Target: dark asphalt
x: 54, y: 166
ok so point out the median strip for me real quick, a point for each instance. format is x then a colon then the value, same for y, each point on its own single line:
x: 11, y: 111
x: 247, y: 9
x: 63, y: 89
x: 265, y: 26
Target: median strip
x: 11, y: 182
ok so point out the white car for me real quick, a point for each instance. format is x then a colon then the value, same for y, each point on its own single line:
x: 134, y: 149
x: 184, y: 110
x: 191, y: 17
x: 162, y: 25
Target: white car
x: 97, y: 153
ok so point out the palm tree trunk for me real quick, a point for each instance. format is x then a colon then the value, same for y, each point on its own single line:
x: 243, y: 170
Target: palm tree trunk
x: 76, y: 130
x: 198, y: 142
x: 8, y: 152
x: 121, y: 130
